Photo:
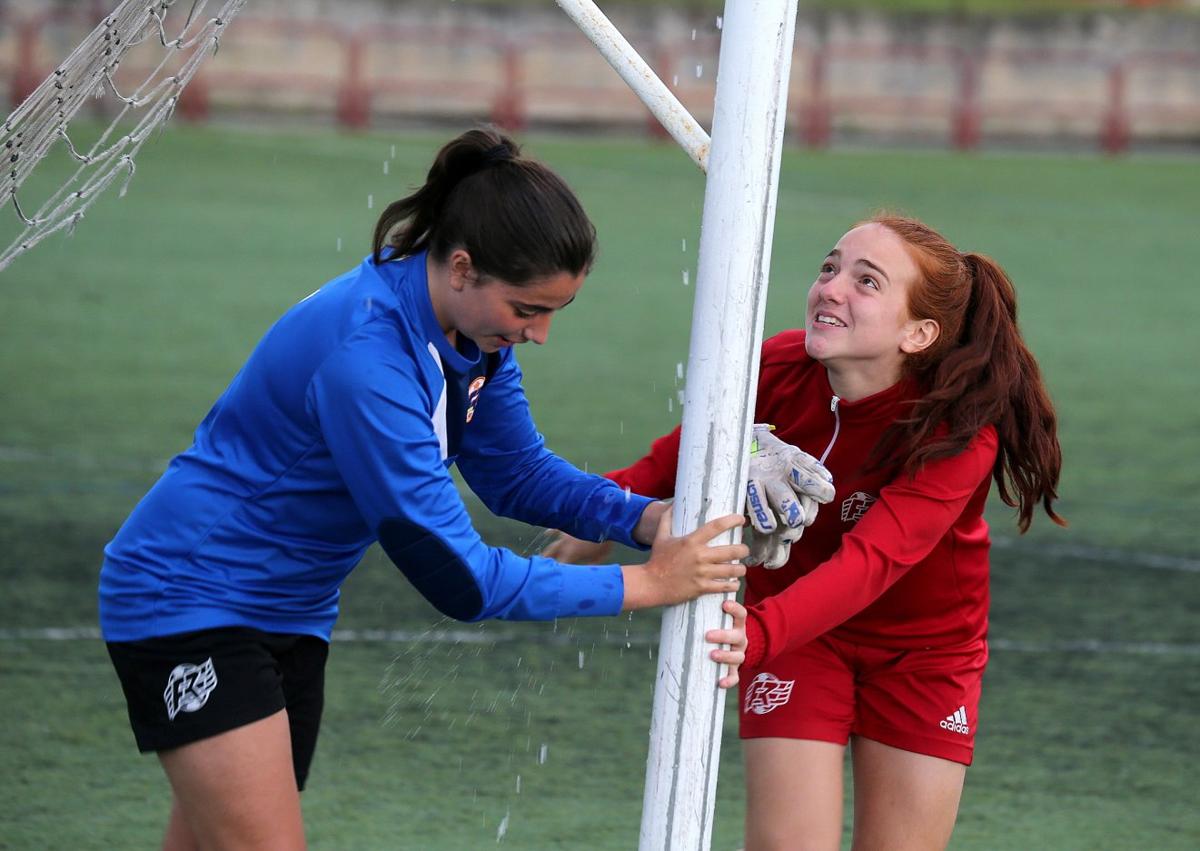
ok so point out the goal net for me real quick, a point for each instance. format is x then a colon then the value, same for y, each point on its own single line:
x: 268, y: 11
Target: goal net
x: 178, y: 39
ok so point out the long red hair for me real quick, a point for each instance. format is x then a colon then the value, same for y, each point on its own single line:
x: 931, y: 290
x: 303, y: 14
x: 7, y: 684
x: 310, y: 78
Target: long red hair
x: 978, y: 372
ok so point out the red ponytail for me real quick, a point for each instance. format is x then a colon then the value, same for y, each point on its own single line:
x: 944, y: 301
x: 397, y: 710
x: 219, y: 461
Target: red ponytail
x: 978, y: 373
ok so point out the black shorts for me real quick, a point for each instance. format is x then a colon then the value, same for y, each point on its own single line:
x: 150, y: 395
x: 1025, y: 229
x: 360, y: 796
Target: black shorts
x: 186, y: 687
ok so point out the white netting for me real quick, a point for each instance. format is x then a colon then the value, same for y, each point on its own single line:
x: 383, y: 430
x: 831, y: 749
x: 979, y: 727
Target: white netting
x: 42, y: 120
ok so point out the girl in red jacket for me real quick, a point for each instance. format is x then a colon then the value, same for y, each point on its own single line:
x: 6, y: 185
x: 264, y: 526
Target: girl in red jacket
x: 912, y: 380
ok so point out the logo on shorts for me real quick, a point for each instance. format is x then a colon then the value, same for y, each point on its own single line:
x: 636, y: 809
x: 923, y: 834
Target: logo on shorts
x: 767, y: 692
x: 956, y: 723
x: 188, y: 687
x: 856, y: 506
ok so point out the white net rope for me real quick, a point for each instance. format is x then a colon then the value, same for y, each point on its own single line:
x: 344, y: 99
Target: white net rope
x: 34, y: 127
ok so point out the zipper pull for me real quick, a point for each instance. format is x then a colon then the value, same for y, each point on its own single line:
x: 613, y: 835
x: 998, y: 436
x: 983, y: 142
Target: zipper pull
x: 837, y: 426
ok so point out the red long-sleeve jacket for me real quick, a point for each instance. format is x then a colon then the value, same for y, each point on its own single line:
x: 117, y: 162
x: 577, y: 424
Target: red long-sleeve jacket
x: 895, y: 560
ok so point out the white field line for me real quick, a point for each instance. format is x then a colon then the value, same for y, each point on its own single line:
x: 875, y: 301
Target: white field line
x: 1078, y: 552
x: 480, y: 637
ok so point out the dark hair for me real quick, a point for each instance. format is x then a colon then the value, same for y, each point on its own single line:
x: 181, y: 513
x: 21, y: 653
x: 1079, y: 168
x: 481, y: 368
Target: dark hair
x: 978, y: 372
x: 516, y: 218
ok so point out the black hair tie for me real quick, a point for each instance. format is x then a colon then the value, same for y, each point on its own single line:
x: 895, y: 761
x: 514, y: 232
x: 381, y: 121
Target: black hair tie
x: 497, y: 154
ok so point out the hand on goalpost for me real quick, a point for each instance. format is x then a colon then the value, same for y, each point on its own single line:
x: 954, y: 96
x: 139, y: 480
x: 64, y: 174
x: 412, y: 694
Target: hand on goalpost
x: 784, y: 488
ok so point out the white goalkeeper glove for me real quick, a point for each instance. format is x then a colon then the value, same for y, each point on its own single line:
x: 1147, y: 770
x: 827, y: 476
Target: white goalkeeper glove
x: 785, y: 487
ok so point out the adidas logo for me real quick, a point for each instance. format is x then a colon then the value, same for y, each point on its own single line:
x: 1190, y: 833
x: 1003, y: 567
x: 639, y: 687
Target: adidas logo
x: 957, y: 722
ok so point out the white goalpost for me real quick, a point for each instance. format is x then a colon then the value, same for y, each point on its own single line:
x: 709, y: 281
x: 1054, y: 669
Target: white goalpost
x: 735, y: 256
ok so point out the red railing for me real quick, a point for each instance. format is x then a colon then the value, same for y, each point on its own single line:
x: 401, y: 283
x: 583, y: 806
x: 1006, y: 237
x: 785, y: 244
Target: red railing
x: 358, y: 74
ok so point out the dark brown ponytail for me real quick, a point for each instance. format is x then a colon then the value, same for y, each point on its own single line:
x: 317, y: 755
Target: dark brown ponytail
x: 978, y: 373
x: 516, y: 218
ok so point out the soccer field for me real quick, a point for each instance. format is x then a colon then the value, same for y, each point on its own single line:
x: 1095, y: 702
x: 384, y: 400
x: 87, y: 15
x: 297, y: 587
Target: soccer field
x: 114, y: 342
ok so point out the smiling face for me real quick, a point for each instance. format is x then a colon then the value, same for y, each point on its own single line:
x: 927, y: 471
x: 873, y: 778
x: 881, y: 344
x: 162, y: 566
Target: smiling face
x: 496, y: 314
x: 857, y: 316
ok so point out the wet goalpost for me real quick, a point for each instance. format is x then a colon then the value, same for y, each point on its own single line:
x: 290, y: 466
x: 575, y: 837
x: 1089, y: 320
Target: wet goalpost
x: 741, y: 160
x: 737, y: 225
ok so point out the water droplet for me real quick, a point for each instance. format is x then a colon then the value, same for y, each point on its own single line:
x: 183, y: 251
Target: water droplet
x: 385, y: 166
x: 687, y: 277
x: 684, y: 245
x: 679, y: 370
x: 581, y: 660
x: 720, y: 22
x: 518, y: 784
x: 620, y: 426
x: 627, y: 493
x: 394, y: 147
x: 503, y: 828
x: 699, y: 71
x: 693, y: 35
x: 371, y: 198
x: 674, y: 79
x: 543, y: 751
x: 670, y: 405
x: 339, y: 244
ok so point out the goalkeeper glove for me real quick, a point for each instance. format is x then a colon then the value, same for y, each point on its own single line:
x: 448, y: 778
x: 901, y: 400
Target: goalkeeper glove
x: 785, y: 487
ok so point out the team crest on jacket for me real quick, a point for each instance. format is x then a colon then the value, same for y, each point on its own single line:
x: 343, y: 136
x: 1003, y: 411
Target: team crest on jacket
x: 473, y: 395
x: 188, y: 687
x: 767, y: 692
x: 856, y: 506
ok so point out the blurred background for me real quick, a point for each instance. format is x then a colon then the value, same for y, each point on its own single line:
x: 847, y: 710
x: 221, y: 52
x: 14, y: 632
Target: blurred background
x: 1060, y: 136
x: 1101, y: 74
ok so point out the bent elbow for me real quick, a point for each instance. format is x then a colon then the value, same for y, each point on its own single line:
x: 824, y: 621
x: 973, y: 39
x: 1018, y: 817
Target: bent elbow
x: 438, y: 572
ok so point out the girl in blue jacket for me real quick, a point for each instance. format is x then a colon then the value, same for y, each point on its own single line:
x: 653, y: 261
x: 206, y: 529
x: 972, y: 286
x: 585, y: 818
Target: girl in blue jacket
x: 219, y: 593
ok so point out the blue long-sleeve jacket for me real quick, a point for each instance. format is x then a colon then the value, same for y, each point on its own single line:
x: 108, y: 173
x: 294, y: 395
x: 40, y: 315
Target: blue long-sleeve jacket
x: 339, y: 431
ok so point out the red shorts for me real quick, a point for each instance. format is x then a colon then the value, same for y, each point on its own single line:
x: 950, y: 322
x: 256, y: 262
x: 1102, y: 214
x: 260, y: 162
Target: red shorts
x: 924, y: 700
